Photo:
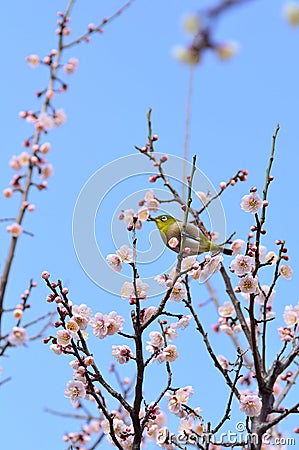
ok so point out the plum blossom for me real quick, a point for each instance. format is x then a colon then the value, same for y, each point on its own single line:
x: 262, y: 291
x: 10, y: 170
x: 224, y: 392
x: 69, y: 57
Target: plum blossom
x: 176, y: 400
x: 147, y: 313
x: 15, y: 229
x: 169, y: 354
x: 64, y: 337
x: 291, y: 315
x: 156, y: 342
x: 33, y: 60
x: 47, y: 171
x: 178, y: 292
x: 237, y: 246
x: 18, y: 336
x: 8, y: 193
x: 143, y: 214
x: 249, y: 285
x: 182, y: 323
x: 211, y: 266
x: 291, y: 13
x: 122, y: 353
x: 70, y: 67
x: 226, y: 310
x: 286, y: 272
x: 128, y: 290
x: 114, y: 262
x: 242, y: 265
x: 150, y: 202
x: 227, y: 50
x: 75, y: 390
x: 106, y: 324
x: 285, y: 334
x: 250, y: 404
x: 251, y: 203
x: 125, y: 253
x: 57, y: 349
x: 82, y: 310
x: 173, y: 242
x: 192, y: 23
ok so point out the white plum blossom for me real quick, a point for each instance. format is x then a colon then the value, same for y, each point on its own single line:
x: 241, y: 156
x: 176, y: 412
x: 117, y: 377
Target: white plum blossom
x: 150, y: 201
x: 106, y: 324
x: 291, y: 315
x: 147, y: 313
x: 122, y: 353
x: 242, y: 265
x: 75, y: 390
x: 251, y: 203
x: 211, y: 266
x: 169, y: 354
x: 64, y: 337
x: 114, y: 262
x: 182, y: 323
x: 156, y: 342
x: 143, y: 214
x: 178, y: 292
x: 249, y: 285
x: 128, y: 290
x: 237, y: 246
x: 176, y: 400
x: 125, y: 253
x: 226, y: 310
x: 286, y: 272
x: 250, y: 404
x: 18, y: 336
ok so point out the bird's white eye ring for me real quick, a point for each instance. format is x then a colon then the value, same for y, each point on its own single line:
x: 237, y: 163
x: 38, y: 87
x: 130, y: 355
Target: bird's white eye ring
x: 164, y: 218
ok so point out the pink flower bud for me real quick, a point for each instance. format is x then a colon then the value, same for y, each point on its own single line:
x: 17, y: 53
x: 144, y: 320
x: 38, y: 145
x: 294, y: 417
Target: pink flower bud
x: 164, y: 158
x: 153, y: 178
x: 253, y: 189
x: 265, y: 203
x: 232, y: 182
x: 65, y: 291
x: 31, y: 207
x: 45, y: 275
x: 222, y: 185
x: 169, y: 283
x: 184, y: 207
x: 155, y: 137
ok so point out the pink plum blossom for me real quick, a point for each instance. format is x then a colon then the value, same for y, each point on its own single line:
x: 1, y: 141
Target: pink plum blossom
x: 15, y: 229
x: 251, y: 203
x: 285, y: 334
x: 291, y: 315
x: 250, y: 404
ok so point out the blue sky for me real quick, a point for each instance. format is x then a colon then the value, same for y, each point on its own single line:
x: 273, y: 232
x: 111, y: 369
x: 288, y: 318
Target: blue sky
x: 235, y: 108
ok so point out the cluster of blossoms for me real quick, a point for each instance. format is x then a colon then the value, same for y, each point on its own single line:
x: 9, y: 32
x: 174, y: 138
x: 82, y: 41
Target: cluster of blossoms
x: 158, y: 347
x: 83, y: 437
x: 192, y: 54
x: 291, y: 318
x: 147, y: 205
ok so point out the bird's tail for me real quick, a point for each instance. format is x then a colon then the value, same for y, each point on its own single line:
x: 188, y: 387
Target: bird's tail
x: 227, y: 251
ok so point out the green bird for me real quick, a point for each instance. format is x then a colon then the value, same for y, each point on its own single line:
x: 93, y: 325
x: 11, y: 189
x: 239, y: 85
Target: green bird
x: 171, y: 234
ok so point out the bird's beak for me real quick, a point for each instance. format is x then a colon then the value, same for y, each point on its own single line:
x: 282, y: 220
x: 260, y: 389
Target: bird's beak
x: 151, y: 219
